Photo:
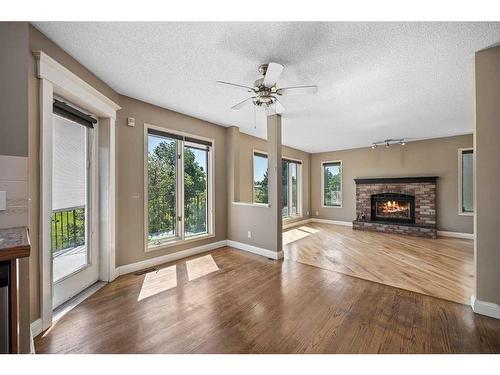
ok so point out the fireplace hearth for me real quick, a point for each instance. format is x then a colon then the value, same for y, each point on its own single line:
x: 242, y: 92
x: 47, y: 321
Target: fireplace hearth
x: 403, y: 205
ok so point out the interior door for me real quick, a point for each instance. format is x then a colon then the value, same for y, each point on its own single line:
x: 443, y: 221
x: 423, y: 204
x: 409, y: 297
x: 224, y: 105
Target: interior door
x: 74, y: 254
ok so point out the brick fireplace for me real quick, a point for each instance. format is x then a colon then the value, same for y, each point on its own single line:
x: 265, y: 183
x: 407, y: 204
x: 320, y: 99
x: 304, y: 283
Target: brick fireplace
x: 403, y: 205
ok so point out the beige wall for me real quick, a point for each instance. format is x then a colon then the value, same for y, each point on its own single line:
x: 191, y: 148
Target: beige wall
x: 38, y: 41
x: 247, y: 144
x: 487, y: 174
x: 263, y: 222
x: 14, y: 63
x: 130, y: 172
x: 434, y: 157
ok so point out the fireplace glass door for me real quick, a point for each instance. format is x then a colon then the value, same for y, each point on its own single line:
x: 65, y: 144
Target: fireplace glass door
x: 393, y: 207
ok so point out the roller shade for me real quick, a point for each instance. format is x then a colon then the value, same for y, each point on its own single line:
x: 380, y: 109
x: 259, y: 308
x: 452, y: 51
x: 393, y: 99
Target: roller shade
x: 69, y: 181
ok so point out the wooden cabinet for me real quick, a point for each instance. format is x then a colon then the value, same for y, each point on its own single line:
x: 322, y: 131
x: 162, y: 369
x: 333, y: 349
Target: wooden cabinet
x: 14, y: 244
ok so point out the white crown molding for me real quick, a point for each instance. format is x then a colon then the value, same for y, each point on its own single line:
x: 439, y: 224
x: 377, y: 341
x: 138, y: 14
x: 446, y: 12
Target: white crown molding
x: 133, y: 267
x: 485, y: 308
x: 51, y: 70
x: 443, y: 233
x: 255, y: 250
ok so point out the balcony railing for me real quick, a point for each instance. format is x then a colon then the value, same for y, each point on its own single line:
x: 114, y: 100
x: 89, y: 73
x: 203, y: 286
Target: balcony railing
x: 68, y: 228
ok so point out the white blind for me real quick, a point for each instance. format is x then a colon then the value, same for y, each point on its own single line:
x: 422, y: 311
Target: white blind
x: 69, y: 185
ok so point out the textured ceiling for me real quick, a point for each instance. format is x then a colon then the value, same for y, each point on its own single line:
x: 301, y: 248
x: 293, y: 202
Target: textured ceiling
x: 376, y: 80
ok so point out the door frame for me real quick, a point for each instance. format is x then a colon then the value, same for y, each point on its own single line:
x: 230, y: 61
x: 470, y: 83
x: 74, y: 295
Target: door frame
x: 56, y: 80
x: 92, y: 214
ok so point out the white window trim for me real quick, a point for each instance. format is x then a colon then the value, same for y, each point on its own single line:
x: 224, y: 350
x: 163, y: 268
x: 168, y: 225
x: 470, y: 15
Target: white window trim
x: 323, y: 183
x: 460, y: 206
x: 299, y: 185
x: 56, y: 80
x: 181, y: 238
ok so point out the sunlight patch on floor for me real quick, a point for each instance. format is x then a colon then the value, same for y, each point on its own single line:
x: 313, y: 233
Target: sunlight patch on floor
x: 157, y: 282
x: 295, y: 234
x: 201, y: 266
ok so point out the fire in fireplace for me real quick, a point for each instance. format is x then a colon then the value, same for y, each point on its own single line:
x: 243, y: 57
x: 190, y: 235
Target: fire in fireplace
x: 393, y: 207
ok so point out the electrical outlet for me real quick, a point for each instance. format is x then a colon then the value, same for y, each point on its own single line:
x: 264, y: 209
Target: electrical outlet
x: 307, y: 213
x: 317, y: 213
x: 3, y: 200
x: 249, y: 234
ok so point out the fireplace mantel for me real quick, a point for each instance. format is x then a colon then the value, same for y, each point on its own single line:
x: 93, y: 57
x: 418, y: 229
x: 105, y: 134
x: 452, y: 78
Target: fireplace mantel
x: 396, y: 180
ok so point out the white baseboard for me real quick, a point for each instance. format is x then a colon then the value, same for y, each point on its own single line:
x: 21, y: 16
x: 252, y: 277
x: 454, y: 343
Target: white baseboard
x: 334, y: 222
x: 133, y: 267
x: 255, y: 250
x: 443, y: 233
x: 296, y: 223
x: 485, y: 308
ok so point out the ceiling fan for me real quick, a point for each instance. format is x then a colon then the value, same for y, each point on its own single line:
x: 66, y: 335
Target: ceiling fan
x: 264, y: 90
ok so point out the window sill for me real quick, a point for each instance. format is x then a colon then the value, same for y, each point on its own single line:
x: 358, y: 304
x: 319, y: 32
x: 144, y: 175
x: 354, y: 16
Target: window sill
x: 331, y: 206
x: 466, y: 213
x: 177, y: 242
x: 261, y: 205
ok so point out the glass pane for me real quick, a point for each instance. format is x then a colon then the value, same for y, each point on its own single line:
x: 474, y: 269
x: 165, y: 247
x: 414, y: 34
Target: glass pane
x: 162, y: 153
x: 332, y: 185
x: 260, y: 179
x: 70, y: 250
x: 294, y: 180
x: 467, y: 183
x: 284, y: 167
x: 195, y: 191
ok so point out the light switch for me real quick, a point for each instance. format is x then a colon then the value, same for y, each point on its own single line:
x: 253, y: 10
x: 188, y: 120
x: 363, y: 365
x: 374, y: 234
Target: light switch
x: 3, y: 200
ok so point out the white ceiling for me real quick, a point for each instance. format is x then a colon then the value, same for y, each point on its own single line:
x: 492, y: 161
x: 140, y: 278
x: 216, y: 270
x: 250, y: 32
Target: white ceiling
x: 376, y: 80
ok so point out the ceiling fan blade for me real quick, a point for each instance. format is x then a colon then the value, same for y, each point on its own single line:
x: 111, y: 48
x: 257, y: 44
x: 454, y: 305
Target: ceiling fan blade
x: 276, y: 108
x: 297, y: 90
x: 236, y: 86
x: 243, y: 103
x: 279, y: 107
x: 273, y: 72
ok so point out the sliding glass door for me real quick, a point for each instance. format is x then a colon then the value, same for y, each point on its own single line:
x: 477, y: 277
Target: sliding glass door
x: 74, y: 258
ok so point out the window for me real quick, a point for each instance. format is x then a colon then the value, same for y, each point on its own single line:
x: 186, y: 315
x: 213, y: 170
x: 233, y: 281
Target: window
x: 332, y: 183
x: 291, y: 169
x: 178, y: 204
x: 465, y: 182
x: 260, y: 178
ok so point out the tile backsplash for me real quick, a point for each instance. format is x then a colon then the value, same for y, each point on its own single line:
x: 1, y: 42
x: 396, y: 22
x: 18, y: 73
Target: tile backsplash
x: 14, y: 181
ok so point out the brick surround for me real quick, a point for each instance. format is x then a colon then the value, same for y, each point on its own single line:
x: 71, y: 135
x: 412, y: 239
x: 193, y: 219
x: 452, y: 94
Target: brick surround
x: 422, y: 188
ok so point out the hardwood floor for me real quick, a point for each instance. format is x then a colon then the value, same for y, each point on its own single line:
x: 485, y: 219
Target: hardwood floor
x: 442, y: 268
x: 229, y: 301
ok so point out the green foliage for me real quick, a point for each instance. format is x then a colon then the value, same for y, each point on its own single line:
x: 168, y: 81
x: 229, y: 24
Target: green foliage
x: 68, y: 228
x: 261, y: 190
x: 162, y: 192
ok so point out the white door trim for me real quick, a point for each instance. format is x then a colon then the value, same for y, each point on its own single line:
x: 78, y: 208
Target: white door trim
x: 55, y: 79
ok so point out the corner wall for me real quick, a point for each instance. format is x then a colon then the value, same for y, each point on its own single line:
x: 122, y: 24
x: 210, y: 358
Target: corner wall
x: 487, y: 176
x: 130, y: 176
x: 432, y: 157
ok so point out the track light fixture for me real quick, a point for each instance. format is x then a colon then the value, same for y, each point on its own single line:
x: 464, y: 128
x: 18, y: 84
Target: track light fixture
x: 389, y: 142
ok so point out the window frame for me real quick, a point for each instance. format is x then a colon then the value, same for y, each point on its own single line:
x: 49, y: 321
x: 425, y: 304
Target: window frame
x: 323, y: 183
x: 299, y: 183
x: 460, y: 178
x: 180, y: 237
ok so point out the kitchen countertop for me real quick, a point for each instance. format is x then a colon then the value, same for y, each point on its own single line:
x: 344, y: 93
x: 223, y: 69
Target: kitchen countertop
x: 14, y: 243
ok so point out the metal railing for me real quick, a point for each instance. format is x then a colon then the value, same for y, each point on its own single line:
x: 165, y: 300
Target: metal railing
x: 68, y: 228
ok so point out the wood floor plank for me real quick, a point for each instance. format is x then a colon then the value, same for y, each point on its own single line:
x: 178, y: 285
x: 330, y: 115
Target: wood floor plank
x: 442, y: 267
x: 251, y: 304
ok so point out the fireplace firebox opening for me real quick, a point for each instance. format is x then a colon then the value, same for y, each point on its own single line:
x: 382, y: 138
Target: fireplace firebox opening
x: 393, y: 207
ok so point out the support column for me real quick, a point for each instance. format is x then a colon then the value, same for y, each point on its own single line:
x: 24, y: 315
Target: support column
x: 274, y: 176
